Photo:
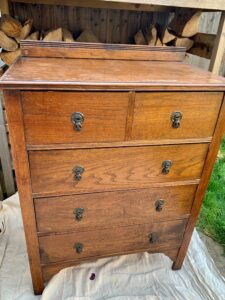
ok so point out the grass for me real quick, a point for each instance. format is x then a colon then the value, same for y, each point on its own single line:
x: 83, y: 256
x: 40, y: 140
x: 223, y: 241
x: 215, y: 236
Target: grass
x: 211, y: 220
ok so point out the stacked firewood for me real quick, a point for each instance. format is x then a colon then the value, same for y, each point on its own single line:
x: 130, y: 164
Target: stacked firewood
x: 12, y: 32
x: 179, y: 32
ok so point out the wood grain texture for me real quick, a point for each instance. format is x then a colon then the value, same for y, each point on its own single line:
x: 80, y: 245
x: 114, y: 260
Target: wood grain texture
x: 51, y: 269
x: 77, y: 74
x: 207, y: 170
x: 101, y: 51
x: 54, y: 248
x: 153, y: 111
x: 113, y: 168
x: 47, y: 117
x: 122, y: 207
x: 20, y: 160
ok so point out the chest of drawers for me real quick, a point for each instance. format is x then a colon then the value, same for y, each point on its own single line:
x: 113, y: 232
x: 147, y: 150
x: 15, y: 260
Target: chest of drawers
x: 113, y: 148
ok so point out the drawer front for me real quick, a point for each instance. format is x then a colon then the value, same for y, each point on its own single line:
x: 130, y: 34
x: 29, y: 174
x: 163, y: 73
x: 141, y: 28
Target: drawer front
x: 47, y: 117
x: 175, y: 115
x: 75, y: 246
x: 102, y: 210
x: 76, y: 171
x: 51, y: 269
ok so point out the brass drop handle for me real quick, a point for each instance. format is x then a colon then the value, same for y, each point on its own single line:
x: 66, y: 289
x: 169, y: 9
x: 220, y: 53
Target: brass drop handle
x: 79, y: 213
x: 176, y: 118
x: 166, y: 165
x: 77, y: 119
x: 78, y: 171
x: 79, y: 247
x: 159, y: 205
x: 153, y: 237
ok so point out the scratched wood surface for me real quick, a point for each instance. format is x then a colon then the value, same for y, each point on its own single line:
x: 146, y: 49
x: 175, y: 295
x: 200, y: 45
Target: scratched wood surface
x: 113, y: 168
x: 62, y: 247
x: 122, y: 207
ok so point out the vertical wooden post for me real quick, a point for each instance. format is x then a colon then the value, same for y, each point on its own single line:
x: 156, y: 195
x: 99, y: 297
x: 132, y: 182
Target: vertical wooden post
x: 5, y: 156
x: 4, y: 7
x: 219, y: 47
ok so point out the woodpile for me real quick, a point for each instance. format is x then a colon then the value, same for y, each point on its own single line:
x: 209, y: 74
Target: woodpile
x: 182, y: 31
x: 12, y: 32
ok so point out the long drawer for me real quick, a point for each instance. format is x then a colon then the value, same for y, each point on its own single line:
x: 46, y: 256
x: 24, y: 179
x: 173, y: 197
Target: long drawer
x: 76, y: 171
x: 51, y: 269
x: 108, y: 209
x: 79, y: 245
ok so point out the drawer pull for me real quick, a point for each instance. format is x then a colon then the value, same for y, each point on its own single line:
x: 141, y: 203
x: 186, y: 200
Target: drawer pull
x: 166, y: 165
x: 79, y: 213
x: 176, y: 118
x: 77, y: 119
x: 79, y: 247
x: 159, y: 205
x: 153, y: 237
x: 78, y: 171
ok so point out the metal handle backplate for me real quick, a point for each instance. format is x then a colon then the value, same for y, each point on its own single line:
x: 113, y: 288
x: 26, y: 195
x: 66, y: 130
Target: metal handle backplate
x: 176, y: 118
x: 166, y: 165
x: 159, y: 205
x: 77, y: 119
x: 78, y: 171
x: 153, y: 237
x: 79, y: 247
x: 79, y: 213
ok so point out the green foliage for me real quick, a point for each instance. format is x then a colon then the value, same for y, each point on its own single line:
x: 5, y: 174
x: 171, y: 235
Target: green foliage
x: 212, y: 217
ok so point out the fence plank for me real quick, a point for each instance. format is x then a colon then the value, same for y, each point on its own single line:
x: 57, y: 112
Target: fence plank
x: 5, y: 156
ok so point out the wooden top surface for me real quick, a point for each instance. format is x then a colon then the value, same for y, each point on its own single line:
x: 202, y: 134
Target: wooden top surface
x: 96, y: 74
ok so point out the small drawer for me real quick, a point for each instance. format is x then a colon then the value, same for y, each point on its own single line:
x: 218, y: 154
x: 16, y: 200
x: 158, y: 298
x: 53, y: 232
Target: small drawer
x: 74, y: 117
x: 119, y: 208
x: 79, y: 245
x: 58, y: 172
x: 175, y: 115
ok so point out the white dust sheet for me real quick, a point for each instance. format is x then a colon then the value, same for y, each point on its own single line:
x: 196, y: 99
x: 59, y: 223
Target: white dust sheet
x: 129, y: 277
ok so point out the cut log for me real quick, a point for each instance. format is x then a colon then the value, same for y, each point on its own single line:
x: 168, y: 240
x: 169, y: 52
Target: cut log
x: 139, y: 38
x: 7, y: 43
x: 166, y: 36
x: 10, y: 26
x: 185, y: 23
x: 9, y: 57
x: 53, y: 35
x: 87, y: 36
x: 184, y: 42
x: 67, y: 36
x: 203, y: 45
x: 33, y: 36
x: 25, y: 30
x: 151, y: 35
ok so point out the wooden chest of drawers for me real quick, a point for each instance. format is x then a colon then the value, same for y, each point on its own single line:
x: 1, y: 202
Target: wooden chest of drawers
x: 113, y: 155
